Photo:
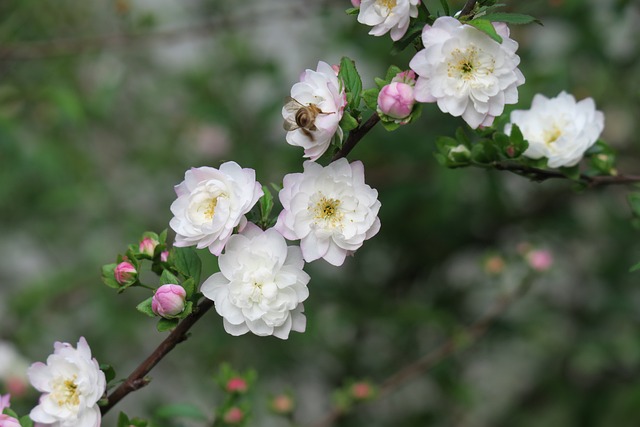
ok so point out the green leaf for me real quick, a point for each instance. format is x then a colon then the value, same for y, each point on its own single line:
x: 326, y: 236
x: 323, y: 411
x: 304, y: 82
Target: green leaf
x: 187, y: 262
x: 266, y: 205
x: 348, y: 122
x: 25, y: 421
x: 511, y: 18
x: 162, y: 238
x: 412, y: 33
x: 189, y: 286
x: 380, y: 82
x: 389, y: 126
x: 168, y: 279
x: 572, y: 172
x: 166, y: 324
x: 370, y: 97
x: 635, y: 268
x: 108, y: 276
x: 145, y: 307
x: 352, y: 81
x: 182, y: 410
x: 352, y: 11
x: 123, y: 420
x: 445, y: 7
x: 486, y: 27
x: 392, y: 72
x: 109, y: 372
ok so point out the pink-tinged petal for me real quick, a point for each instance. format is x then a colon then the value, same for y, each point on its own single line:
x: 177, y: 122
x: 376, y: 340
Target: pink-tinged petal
x: 335, y: 255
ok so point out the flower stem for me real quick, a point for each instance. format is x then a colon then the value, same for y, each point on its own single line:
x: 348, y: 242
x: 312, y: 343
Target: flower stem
x: 137, y: 379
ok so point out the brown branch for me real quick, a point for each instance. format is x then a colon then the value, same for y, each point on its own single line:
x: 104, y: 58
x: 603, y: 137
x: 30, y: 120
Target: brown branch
x: 355, y: 136
x: 540, y: 175
x: 468, y: 7
x: 138, y: 379
x: 472, y: 334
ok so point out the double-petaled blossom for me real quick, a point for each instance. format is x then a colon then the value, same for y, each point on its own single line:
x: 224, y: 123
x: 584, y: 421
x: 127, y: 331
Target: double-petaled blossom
x: 312, y: 114
x: 330, y: 209
x: 388, y: 16
x: 211, y: 203
x: 466, y: 72
x: 72, y: 383
x: 559, y: 128
x: 260, y: 286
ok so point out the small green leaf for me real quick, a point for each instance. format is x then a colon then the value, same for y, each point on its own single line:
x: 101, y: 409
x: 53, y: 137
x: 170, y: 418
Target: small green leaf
x: 486, y: 27
x: 352, y: 11
x: 189, y: 286
x: 380, y: 82
x: 370, y: 97
x: 162, y: 238
x: 25, y: 421
x: 348, y: 122
x: 572, y: 172
x: 187, y: 262
x: 445, y: 7
x: 123, y: 420
x: 109, y: 372
x: 166, y: 324
x: 168, y: 279
x: 145, y: 307
x: 392, y: 72
x: 352, y: 81
x: 389, y: 126
x: 181, y: 410
x: 266, y: 205
x: 511, y: 18
x: 108, y: 276
x: 635, y: 268
x: 412, y: 33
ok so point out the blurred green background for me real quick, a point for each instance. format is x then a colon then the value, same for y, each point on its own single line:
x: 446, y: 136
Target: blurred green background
x: 104, y: 105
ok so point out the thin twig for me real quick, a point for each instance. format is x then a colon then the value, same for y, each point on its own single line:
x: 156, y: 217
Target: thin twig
x: 407, y: 373
x: 355, y: 136
x: 540, y: 175
x: 138, y: 379
x: 468, y: 7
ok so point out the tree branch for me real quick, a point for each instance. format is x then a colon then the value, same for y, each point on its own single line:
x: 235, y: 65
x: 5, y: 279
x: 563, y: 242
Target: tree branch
x: 468, y: 7
x: 138, y: 379
x: 473, y: 333
x: 355, y: 136
x: 540, y: 175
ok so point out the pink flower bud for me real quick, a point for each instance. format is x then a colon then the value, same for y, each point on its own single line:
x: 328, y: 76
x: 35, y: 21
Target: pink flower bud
x: 125, y: 273
x: 396, y: 100
x: 164, y: 256
x: 361, y: 390
x: 147, y: 246
x: 540, y: 260
x: 408, y: 77
x: 233, y: 416
x: 168, y: 300
x: 282, y: 404
x: 355, y: 3
x: 236, y: 385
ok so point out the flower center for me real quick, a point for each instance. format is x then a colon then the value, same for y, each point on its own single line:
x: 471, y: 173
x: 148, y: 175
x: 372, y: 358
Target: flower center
x: 327, y: 210
x: 65, y: 392
x: 210, y: 208
x: 551, y: 135
x: 469, y: 64
x: 386, y: 4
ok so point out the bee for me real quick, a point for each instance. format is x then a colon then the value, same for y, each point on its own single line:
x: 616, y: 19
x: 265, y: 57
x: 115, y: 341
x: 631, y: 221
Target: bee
x: 304, y: 117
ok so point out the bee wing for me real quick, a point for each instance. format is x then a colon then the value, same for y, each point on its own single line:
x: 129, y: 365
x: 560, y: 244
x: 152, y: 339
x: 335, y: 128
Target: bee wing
x: 292, y: 106
x: 290, y: 125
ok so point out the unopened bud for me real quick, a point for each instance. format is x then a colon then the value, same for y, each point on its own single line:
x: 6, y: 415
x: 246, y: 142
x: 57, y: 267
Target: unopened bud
x: 356, y: 3
x: 540, y: 260
x: 148, y: 246
x: 408, y: 77
x: 361, y: 390
x: 459, y: 153
x: 396, y: 100
x: 233, y: 416
x: 125, y: 273
x: 236, y: 385
x: 164, y: 256
x: 282, y: 404
x: 168, y: 301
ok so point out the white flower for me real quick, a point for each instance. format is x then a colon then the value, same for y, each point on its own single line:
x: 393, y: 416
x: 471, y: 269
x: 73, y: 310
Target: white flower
x: 466, y: 72
x: 314, y: 111
x: 388, y: 15
x: 260, y: 286
x: 211, y: 203
x: 71, y: 383
x: 330, y: 209
x: 559, y: 128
